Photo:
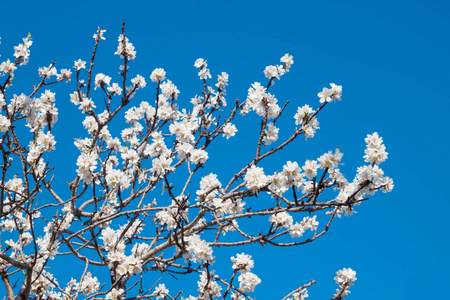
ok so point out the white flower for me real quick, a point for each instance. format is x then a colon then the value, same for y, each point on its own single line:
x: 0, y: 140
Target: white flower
x: 125, y: 47
x: 65, y: 74
x: 198, y: 156
x: 222, y: 81
x: 166, y: 218
x: 2, y: 100
x: 325, y: 95
x: 89, y: 284
x: 4, y: 124
x: 99, y: 34
x: 291, y: 170
x: 297, y: 230
x: 114, y: 294
x: 271, y: 72
x: 169, y: 89
x: 86, y: 165
x: 158, y: 75
x: 200, y: 62
x: 101, y: 79
x: 8, y: 67
x: 8, y: 225
x: 310, y: 223
x: 116, y: 179
x: 229, y: 130
x: 345, y: 277
x: 281, y: 219
x: 161, y: 165
x: 329, y: 94
x: 114, y: 88
x: 183, y: 150
x: 204, y: 73
x: 310, y: 168
x: 270, y: 134
x: 375, y: 151
x: 46, y: 142
x: 198, y: 250
x: 161, y: 291
x: 248, y: 281
x: 301, y: 295
x: 47, y: 71
x: 288, y: 60
x: 242, y: 262
x: 336, y: 91
x: 330, y: 160
x: 133, y: 115
x: 210, y: 288
x: 255, y: 179
x: 209, y: 181
x: 109, y: 236
x: 80, y: 64
x: 261, y: 102
x: 388, y: 184
x: 22, y: 50
x: 14, y: 185
x: 90, y: 124
x: 86, y: 105
x: 207, y: 184
x: 139, y: 81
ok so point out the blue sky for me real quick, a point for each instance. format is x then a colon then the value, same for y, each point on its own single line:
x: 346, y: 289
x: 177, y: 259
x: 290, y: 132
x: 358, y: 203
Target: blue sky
x: 391, y: 57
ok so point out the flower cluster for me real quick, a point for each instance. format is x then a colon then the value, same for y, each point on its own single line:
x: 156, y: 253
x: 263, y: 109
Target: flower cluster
x: 125, y: 48
x: 375, y: 151
x: 368, y: 179
x: 283, y: 219
x: 4, y: 124
x: 305, y: 117
x: 229, y: 206
x: 272, y: 72
x: 262, y: 102
x: 158, y: 75
x: 117, y: 260
x: 88, y: 285
x: 208, y: 287
x: 255, y: 179
x: 99, y: 35
x: 229, y: 130
x: 208, y: 187
x: 203, y: 72
x: 270, y: 134
x: 22, y: 51
x: 115, y: 294
x: 345, y: 279
x: 172, y: 214
x: 87, y: 163
x: 247, y: 280
x: 198, y: 250
x: 300, y: 295
x: 328, y: 95
x: 161, y: 292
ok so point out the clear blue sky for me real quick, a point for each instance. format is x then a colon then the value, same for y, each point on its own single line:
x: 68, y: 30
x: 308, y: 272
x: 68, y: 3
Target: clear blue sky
x: 392, y: 59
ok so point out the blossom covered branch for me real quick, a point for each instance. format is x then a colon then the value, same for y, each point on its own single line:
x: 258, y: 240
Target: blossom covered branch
x: 114, y: 216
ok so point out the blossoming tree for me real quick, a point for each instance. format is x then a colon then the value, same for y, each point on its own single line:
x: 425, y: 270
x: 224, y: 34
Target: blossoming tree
x: 115, y: 220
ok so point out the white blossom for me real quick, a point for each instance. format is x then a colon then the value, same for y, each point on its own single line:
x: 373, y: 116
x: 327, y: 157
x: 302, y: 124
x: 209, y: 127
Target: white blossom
x: 248, y: 281
x: 161, y: 291
x: 158, y: 75
x: 242, y: 262
x: 255, y: 179
x: 4, y: 124
x: 80, y: 64
x: 375, y: 151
